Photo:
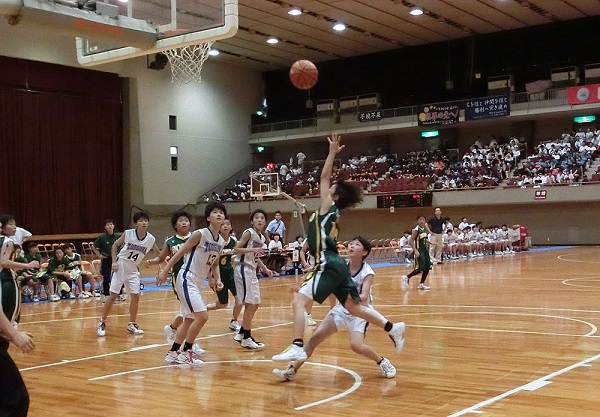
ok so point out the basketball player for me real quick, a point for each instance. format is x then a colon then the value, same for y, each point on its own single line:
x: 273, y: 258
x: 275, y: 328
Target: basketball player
x: 9, y: 288
x: 181, y: 222
x: 136, y: 243
x: 330, y: 274
x: 201, y: 251
x: 227, y: 278
x: 247, y: 253
x: 338, y: 317
x: 14, y: 399
x: 422, y: 261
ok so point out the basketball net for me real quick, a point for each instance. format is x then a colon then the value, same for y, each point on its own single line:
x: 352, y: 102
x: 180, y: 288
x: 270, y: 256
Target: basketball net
x: 186, y: 63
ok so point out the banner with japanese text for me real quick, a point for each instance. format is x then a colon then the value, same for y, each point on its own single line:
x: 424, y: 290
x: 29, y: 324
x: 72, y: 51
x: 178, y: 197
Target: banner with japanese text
x: 438, y: 114
x: 484, y: 108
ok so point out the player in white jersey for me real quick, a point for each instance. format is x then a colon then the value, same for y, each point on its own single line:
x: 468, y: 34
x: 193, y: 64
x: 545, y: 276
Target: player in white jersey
x: 202, y: 251
x: 246, y: 258
x: 339, y: 318
x: 135, y: 245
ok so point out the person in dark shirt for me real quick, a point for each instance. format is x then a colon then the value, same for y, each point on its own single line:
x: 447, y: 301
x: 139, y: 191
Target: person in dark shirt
x: 102, y: 249
x: 436, y: 226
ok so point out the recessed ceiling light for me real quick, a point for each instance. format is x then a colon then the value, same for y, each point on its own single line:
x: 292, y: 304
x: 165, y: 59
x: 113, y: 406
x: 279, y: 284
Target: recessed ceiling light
x: 122, y: 1
x: 416, y: 11
x: 339, y: 26
x: 295, y: 11
x: 213, y: 52
x: 272, y: 40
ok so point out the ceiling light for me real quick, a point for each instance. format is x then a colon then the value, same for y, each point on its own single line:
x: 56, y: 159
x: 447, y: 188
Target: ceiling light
x: 213, y: 52
x: 295, y: 11
x: 272, y: 40
x: 416, y: 11
x: 123, y: 1
x: 339, y: 26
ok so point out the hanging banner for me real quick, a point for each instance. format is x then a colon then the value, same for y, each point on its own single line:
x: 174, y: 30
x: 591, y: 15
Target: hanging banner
x: 584, y: 94
x: 484, y: 108
x: 438, y: 114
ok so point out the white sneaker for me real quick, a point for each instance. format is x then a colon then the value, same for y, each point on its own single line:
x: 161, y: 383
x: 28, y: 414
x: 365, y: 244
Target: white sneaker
x: 188, y: 358
x: 234, y: 325
x: 293, y: 353
x: 134, y: 329
x: 36, y: 298
x: 424, y: 287
x: 72, y: 296
x: 171, y: 356
x: 197, y: 349
x: 54, y: 297
x: 101, y: 331
x: 397, y: 335
x: 238, y: 337
x: 287, y: 374
x: 405, y: 281
x: 121, y: 297
x: 170, y: 333
x: 387, y: 369
x: 250, y: 343
x: 96, y: 293
x: 310, y: 321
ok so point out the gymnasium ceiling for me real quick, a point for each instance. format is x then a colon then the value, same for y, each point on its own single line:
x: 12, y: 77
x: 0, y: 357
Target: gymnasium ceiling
x: 377, y: 25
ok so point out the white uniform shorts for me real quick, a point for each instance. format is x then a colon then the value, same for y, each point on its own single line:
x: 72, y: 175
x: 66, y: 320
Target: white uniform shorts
x: 246, y: 284
x: 127, y: 275
x: 189, y: 289
x: 344, y: 320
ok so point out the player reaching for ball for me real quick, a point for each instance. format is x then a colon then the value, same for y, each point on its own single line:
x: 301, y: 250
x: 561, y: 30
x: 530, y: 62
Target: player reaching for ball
x: 331, y: 275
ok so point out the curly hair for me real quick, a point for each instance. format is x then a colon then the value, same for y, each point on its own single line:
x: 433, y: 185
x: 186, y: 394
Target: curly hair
x: 348, y: 195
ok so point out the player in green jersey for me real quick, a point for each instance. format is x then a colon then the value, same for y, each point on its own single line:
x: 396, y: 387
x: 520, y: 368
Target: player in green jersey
x: 227, y: 278
x: 181, y: 222
x: 330, y: 274
x: 9, y: 289
x: 420, y: 247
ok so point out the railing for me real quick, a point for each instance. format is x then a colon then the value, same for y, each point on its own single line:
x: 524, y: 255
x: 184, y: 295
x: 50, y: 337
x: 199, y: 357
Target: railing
x: 543, y: 99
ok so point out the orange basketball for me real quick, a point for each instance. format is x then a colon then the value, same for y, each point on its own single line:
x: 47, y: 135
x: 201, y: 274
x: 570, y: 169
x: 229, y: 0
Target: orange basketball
x: 304, y: 74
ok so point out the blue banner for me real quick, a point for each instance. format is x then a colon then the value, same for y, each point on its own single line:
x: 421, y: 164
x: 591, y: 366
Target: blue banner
x: 484, y: 108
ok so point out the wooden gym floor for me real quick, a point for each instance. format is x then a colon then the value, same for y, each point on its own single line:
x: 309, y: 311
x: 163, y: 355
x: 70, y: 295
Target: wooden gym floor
x: 496, y: 336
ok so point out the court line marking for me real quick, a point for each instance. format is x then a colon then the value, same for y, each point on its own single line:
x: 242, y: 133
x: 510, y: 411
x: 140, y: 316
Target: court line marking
x: 540, y: 382
x: 560, y: 257
x: 357, y: 378
x: 135, y: 349
x: 590, y: 333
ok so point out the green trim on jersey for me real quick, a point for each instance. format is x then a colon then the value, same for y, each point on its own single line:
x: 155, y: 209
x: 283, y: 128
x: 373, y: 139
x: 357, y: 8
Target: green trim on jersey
x: 175, y: 243
x: 225, y: 263
x: 6, y: 274
x: 323, y: 232
x: 72, y: 263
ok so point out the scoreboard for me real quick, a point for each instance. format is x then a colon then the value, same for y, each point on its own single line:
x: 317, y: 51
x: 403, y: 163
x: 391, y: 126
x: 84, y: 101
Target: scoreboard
x: 405, y: 200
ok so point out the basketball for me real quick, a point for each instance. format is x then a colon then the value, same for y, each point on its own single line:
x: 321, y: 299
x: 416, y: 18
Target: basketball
x: 304, y: 74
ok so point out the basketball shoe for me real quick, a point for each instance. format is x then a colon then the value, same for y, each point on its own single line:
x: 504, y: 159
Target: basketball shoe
x: 287, y: 374
x: 387, y: 369
x: 134, y: 329
x: 250, y: 343
x: 170, y: 333
x: 397, y: 335
x: 293, y: 353
x: 189, y: 358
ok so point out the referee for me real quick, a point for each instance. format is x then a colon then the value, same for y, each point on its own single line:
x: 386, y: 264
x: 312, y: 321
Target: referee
x: 436, y: 225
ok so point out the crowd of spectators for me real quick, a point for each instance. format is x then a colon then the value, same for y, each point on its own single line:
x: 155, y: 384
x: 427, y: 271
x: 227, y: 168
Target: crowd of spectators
x: 483, y: 165
x: 559, y: 161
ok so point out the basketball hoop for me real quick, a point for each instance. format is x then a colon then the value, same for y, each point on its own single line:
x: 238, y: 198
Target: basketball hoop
x: 186, y: 63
